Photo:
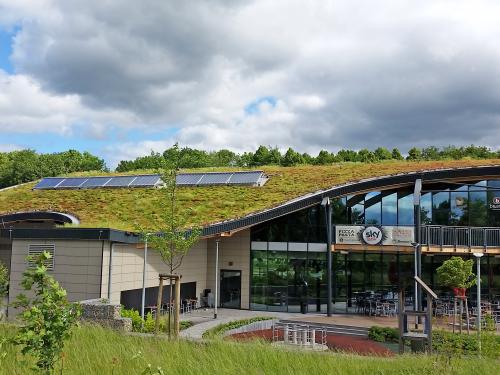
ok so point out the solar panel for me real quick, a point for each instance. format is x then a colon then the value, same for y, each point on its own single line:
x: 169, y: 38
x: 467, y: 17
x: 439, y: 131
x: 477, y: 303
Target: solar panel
x: 72, y: 182
x: 188, y: 178
x: 146, y: 180
x: 214, y: 179
x: 120, y: 181
x: 95, y: 182
x: 245, y: 177
x: 48, y: 183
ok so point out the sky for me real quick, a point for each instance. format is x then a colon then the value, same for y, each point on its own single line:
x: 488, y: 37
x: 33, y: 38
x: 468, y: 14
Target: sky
x: 123, y: 78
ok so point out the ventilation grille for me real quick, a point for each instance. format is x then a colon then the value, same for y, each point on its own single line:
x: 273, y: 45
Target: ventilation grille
x: 34, y: 250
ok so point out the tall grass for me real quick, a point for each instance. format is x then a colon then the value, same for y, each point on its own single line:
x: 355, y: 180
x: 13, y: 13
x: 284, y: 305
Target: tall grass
x: 94, y: 350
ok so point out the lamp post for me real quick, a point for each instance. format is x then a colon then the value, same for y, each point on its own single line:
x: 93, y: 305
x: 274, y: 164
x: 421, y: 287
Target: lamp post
x: 216, y: 277
x: 417, y: 193
x: 144, y: 267
x: 328, y: 216
x: 478, y: 258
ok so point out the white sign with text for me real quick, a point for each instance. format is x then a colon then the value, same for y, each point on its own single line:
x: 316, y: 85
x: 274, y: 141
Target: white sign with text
x: 374, y: 235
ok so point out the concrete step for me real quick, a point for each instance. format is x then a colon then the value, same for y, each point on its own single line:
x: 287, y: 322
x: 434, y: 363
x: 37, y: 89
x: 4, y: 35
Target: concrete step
x: 337, y: 329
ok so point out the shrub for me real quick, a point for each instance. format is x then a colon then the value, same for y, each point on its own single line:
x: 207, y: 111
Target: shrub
x: 455, y: 344
x: 4, y: 281
x: 148, y: 324
x: 383, y: 334
x: 135, y: 316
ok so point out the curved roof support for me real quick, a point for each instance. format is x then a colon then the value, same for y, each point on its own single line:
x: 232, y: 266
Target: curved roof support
x: 58, y: 217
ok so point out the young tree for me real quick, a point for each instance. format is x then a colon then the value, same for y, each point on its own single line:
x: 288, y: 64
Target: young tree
x: 381, y: 153
x: 48, y: 317
x: 170, y: 237
x: 292, y: 158
x: 414, y: 154
x: 4, y: 285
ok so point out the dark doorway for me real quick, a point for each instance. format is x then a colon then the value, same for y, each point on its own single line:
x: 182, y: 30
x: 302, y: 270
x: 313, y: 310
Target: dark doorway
x: 230, y: 289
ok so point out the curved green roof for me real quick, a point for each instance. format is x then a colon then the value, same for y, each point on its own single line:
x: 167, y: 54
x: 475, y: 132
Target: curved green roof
x: 124, y: 208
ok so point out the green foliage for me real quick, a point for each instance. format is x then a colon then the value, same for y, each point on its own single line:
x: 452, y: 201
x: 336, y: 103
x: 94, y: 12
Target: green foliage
x: 414, y: 154
x: 148, y: 325
x: 137, y: 321
x: 396, y: 154
x: 456, y: 273
x: 219, y: 330
x: 47, y: 318
x: 383, y: 334
x: 456, y: 344
x: 292, y: 158
x: 4, y: 281
x: 17, y: 167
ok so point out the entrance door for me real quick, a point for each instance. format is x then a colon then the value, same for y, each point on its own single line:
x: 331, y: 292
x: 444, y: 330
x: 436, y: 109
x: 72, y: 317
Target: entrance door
x: 230, y: 289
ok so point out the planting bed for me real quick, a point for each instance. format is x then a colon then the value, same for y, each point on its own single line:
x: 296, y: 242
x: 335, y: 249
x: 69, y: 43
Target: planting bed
x: 348, y: 344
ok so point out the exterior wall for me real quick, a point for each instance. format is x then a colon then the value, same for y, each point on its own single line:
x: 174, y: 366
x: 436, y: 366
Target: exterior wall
x: 128, y: 263
x: 235, y: 249
x: 77, y: 267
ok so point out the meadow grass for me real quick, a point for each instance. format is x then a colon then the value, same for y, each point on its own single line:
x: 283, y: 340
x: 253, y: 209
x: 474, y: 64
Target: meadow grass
x: 127, y: 208
x: 94, y: 350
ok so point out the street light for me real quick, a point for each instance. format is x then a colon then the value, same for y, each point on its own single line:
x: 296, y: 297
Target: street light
x: 144, y: 268
x: 328, y: 218
x: 478, y: 257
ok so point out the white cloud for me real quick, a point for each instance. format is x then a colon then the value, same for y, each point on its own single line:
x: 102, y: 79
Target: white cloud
x: 344, y: 74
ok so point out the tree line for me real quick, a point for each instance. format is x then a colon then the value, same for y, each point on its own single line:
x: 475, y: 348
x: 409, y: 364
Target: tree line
x: 17, y: 167
x: 193, y: 158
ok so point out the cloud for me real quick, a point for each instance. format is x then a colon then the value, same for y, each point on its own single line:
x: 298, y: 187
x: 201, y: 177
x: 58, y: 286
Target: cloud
x: 341, y: 74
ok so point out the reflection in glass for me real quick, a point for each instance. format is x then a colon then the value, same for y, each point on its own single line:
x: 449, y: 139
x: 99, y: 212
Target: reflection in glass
x: 405, y: 208
x: 426, y: 209
x: 440, y: 208
x: 390, y: 209
x: 477, y: 207
x: 373, y: 207
x: 459, y: 200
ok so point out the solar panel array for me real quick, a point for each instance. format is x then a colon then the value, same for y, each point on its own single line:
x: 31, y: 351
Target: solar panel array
x: 254, y: 178
x: 60, y: 183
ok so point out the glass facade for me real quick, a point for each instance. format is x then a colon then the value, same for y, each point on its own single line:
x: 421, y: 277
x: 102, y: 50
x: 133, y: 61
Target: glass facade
x: 288, y: 254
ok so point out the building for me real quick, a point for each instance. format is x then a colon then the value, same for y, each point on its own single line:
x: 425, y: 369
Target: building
x: 275, y: 258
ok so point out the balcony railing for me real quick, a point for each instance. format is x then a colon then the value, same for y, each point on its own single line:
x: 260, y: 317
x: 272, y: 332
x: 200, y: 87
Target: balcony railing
x: 453, y: 237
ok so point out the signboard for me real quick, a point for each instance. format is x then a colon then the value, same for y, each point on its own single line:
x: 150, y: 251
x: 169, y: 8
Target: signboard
x: 374, y: 235
x: 495, y: 203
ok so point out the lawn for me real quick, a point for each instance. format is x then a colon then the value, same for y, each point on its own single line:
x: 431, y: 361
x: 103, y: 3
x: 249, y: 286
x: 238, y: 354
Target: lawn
x: 124, y: 208
x: 94, y: 350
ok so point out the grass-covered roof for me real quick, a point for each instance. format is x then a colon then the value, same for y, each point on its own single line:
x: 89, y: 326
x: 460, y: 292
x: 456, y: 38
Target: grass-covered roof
x: 123, y: 208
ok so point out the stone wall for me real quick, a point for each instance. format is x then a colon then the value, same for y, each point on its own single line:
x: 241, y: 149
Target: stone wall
x: 99, y: 311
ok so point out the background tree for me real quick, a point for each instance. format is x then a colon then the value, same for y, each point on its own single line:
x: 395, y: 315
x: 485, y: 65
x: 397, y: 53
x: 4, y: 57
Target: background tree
x: 291, y: 158
x: 381, y: 153
x: 414, y: 154
x: 324, y: 158
x: 396, y: 154
x: 168, y: 235
x: 47, y: 318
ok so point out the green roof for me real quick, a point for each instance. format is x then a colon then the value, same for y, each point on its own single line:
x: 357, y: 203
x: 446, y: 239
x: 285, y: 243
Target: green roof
x: 123, y: 208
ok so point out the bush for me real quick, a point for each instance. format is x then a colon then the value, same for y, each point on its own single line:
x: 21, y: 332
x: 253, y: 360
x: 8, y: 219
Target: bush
x: 383, y: 334
x: 136, y: 318
x: 457, y: 344
x: 148, y: 325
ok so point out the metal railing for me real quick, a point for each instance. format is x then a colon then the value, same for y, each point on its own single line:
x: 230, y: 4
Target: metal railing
x: 453, y: 237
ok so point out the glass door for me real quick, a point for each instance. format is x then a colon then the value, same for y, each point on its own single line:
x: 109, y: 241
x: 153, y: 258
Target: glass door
x: 230, y: 289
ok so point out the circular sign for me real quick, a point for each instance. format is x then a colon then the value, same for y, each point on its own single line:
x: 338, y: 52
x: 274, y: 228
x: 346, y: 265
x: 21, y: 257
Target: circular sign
x: 372, y: 235
x: 496, y: 200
